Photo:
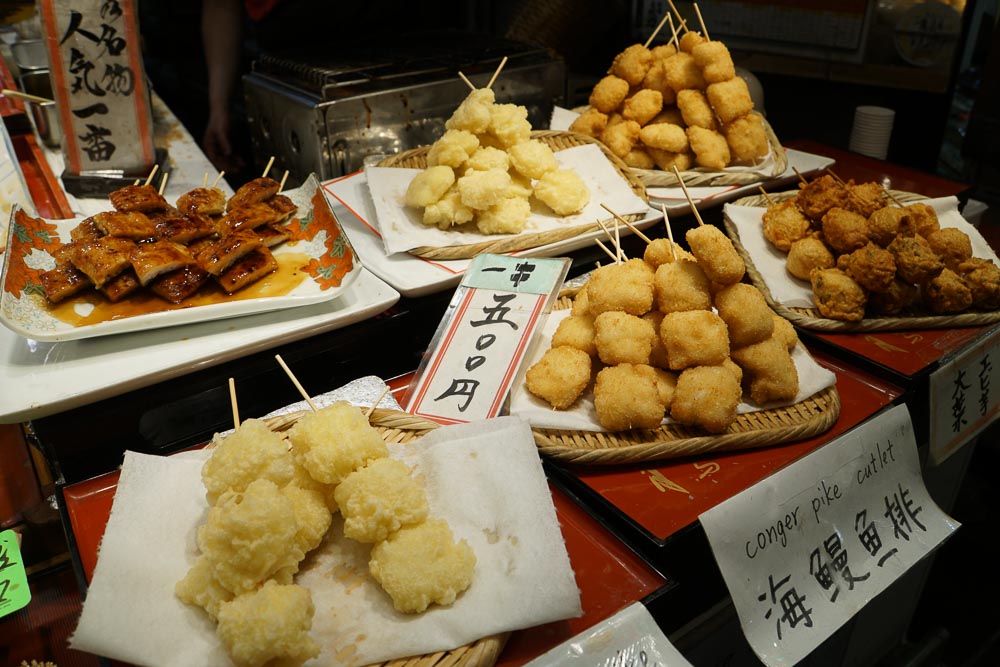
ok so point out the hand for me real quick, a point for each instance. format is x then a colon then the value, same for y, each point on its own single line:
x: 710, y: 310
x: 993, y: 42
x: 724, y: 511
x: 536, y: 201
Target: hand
x: 217, y: 146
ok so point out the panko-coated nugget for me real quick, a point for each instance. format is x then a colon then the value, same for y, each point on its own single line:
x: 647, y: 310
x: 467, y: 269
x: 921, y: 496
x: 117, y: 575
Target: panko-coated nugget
x: 480, y: 190
x: 682, y: 285
x: 581, y: 302
x: 660, y: 251
x: 747, y: 139
x: 379, y: 499
x: 334, y: 441
x: 922, y: 219
x: 916, y: 262
x: 664, y: 136
x: 669, y: 114
x: 745, y: 311
x: 269, y: 626
x: 733, y: 368
x: 730, y: 99
x: 689, y: 40
x: 983, y: 279
x: 952, y: 245
x: 709, y: 147
x: 694, y: 338
x: 563, y: 191
x: 632, y: 64
x: 661, y: 51
x: 844, y: 231
x: 608, y: 93
x: 783, y: 224
x: 621, y: 137
x: 715, y: 254
x: 666, y: 384
x: 785, y: 331
x: 429, y: 185
x: 837, y: 295
x: 706, y: 396
x: 657, y: 354
x: 452, y: 149
x: 714, y: 60
x: 533, y: 158
x: 885, y: 223
x: 621, y: 338
x: 627, y: 286
x: 576, y: 331
x: 946, y: 293
x: 807, y: 254
x: 667, y: 160
x: 682, y: 72
x: 898, y: 298
x: 250, y: 452
x: 769, y: 370
x: 656, y: 79
x: 643, y: 106
x: 591, y: 122
x: 873, y: 267
x: 626, y: 396
x: 507, y: 216
x: 638, y: 158
x: 560, y: 376
x: 422, y: 565
x: 473, y: 114
x: 696, y: 110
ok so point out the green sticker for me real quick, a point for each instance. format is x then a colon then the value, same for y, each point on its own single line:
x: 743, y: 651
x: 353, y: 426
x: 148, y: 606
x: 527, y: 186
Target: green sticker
x: 14, y: 591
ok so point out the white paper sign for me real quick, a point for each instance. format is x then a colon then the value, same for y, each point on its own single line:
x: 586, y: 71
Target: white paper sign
x: 964, y: 396
x: 805, y: 549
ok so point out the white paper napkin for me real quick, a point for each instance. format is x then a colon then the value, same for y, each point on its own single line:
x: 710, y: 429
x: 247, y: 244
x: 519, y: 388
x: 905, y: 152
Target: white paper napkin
x: 582, y: 416
x: 402, y: 228
x: 484, y: 478
x: 790, y: 291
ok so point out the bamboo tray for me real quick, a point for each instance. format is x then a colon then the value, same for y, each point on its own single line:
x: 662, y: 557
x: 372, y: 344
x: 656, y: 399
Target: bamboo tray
x: 416, y: 158
x: 812, y: 416
x: 399, y: 427
x: 810, y: 318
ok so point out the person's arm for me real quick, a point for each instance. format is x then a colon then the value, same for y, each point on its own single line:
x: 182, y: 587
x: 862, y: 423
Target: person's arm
x: 221, y: 22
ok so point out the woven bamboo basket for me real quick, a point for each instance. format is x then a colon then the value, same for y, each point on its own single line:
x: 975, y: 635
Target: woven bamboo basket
x: 763, y: 428
x: 811, y: 318
x: 399, y: 427
x: 416, y: 158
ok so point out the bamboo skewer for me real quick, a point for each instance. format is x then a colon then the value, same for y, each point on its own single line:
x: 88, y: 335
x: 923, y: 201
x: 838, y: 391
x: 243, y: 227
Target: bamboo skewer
x: 619, y: 253
x: 497, y: 73
x: 218, y: 178
x: 606, y: 251
x: 628, y: 224
x: 152, y: 172
x: 268, y: 167
x: 655, y: 32
x: 670, y: 232
x: 163, y: 182
x: 204, y: 181
x: 701, y: 21
x: 466, y: 80
x: 27, y: 97
x: 766, y: 196
x: 801, y: 177
x: 137, y: 181
x: 680, y: 19
x: 295, y: 381
x: 694, y: 209
x: 281, y: 186
x: 232, y: 403
x: 374, y: 405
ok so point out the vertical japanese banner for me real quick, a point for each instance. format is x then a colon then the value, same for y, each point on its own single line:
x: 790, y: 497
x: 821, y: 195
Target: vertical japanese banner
x: 964, y: 396
x: 804, y: 550
x: 99, y: 85
x: 480, y: 343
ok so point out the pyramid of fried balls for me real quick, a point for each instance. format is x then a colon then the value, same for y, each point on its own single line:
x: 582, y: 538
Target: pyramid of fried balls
x: 675, y: 333
x: 272, y: 502
x: 485, y: 170
x: 865, y: 255
x: 669, y: 107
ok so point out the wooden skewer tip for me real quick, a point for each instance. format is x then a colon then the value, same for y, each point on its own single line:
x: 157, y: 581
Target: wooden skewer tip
x: 374, y: 405
x: 466, y: 80
x: 497, y: 73
x: 152, y: 172
x: 233, y: 404
x: 268, y: 167
x: 295, y: 381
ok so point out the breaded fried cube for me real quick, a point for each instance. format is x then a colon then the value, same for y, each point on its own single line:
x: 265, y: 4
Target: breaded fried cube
x: 591, y: 122
x: 669, y: 114
x: 714, y: 60
x: 709, y: 147
x: 885, y: 223
x: 660, y: 251
x: 199, y: 588
x: 608, y: 93
x: 952, y: 245
x: 429, y: 186
x: 682, y: 285
x: 626, y: 397
x: 922, y: 219
x: 837, y: 295
x: 667, y: 160
x: 807, y: 254
x: 707, y: 397
x: 664, y: 136
x: 509, y: 124
x: 334, y: 441
x: 632, y: 64
x: 627, y: 286
x: 488, y: 157
x: 312, y: 515
x: 269, y: 626
x: 656, y: 79
x: 745, y: 311
x: 638, y: 158
x: 379, y: 499
x: 507, y: 216
x: 696, y: 110
x: 560, y: 376
x: 452, y: 149
x: 694, y: 338
x: 844, y: 231
x: 666, y: 384
x: 480, y: 190
x: 682, y: 72
x: 563, y: 191
x: 620, y: 138
x: 422, y: 565
x: 533, y: 159
x: 783, y: 224
x: 689, y: 40
x: 643, y: 106
x: 657, y: 354
x: 769, y: 370
x: 730, y: 99
x: 448, y: 211
x: 621, y: 338
x: 747, y: 139
x: 661, y: 51
x: 473, y: 114
x: 733, y: 367
x: 785, y: 331
x: 576, y: 331
x: 715, y: 254
x: 581, y: 302
x: 250, y: 452
x: 249, y: 537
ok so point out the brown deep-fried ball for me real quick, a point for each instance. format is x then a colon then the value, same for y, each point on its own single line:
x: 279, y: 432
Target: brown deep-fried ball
x: 706, y: 396
x: 696, y: 110
x: 709, y: 147
x: 714, y: 60
x: 667, y: 160
x: 591, y: 122
x: 747, y: 138
x: 682, y: 72
x: 660, y: 251
x: 626, y: 396
x: 627, y: 286
x: 560, y: 376
x: 656, y: 79
x: 621, y: 137
x: 844, y: 231
x: 715, y: 254
x: 769, y: 371
x: 807, y: 254
x: 689, y: 40
x: 632, y: 64
x: 952, y: 245
x: 900, y: 296
x: 730, y: 99
x: 946, y: 293
x: 745, y: 311
x: 608, y: 93
x: 923, y: 219
x: 694, y: 338
x: 873, y: 268
x: 621, y: 338
x: 865, y: 198
x: 916, y: 262
x: 664, y: 136
x: 639, y: 158
x: 643, y: 106
x: 576, y: 331
x: 885, y: 223
x: 682, y: 285
x: 657, y: 354
x: 837, y: 295
x: 983, y: 279
x: 661, y: 51
x: 783, y: 224
x: 819, y: 195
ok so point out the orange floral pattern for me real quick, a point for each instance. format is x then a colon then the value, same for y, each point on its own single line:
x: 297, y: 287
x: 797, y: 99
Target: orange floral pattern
x: 329, y: 269
x: 28, y: 234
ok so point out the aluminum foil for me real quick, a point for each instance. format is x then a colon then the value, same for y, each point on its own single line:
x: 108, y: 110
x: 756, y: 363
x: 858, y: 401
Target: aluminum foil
x: 362, y: 392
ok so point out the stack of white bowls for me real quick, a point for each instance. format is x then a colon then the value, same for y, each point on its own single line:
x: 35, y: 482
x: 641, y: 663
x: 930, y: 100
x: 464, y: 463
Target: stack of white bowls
x: 871, y: 131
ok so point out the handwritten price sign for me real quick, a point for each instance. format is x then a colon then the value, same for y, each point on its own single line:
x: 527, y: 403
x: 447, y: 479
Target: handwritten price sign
x: 14, y: 591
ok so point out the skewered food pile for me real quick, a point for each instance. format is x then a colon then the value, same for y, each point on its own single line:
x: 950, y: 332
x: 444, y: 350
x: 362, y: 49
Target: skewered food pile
x: 678, y: 104
x: 485, y: 170
x: 673, y: 334
x: 272, y: 502
x: 866, y: 255
x: 144, y: 243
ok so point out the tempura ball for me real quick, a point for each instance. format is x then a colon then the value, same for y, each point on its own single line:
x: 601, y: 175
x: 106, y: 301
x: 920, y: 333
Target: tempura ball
x: 916, y: 261
x: 922, y: 219
x: 312, y: 515
x: 885, y: 223
x: 591, y: 122
x: 563, y: 191
x: 620, y: 138
x: 269, y: 626
x: 664, y: 136
x: 783, y: 224
x: 632, y: 64
x: 250, y: 452
x: 560, y: 376
x: 509, y: 124
x: 745, y: 311
x: 379, y: 499
x: 621, y: 338
x: 952, y: 245
x: 199, y: 588
x: 627, y: 397
x: 473, y: 114
x: 533, y: 159
x: 643, y: 106
x: 448, y: 211
x: 694, y: 338
x: 452, y: 149
x: 334, y: 441
x: 983, y: 279
x: 706, y: 396
x: 689, y: 40
x: 844, y: 231
x: 480, y: 190
x: 837, y: 295
x: 716, y: 254
x: 682, y: 72
x: 429, y: 185
x: 488, y: 157
x: 714, y: 60
x: 508, y: 216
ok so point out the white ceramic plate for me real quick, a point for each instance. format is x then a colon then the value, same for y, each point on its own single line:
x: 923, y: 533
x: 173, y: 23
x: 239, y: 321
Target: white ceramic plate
x: 318, y: 247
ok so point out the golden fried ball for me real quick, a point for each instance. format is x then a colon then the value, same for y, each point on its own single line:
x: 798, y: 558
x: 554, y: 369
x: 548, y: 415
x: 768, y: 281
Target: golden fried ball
x: 745, y: 311
x: 807, y: 254
x: 682, y: 72
x: 785, y: 331
x: 715, y: 254
x: 643, y: 106
x: 770, y: 370
x: 664, y: 136
x: 627, y: 286
x: 709, y: 147
x: 312, y: 515
x: 560, y: 376
x: 837, y: 295
x: 669, y: 114
x: 581, y: 302
x: 983, y: 279
x: 620, y: 138
x: 632, y: 64
x: 576, y: 331
x: 689, y: 40
x: 952, y: 245
x: 626, y: 397
x: 946, y: 293
x: 730, y: 99
x: 666, y: 384
x: 885, y: 223
x: 844, y: 231
x: 488, y: 157
x: 473, y: 114
x: 656, y: 79
x: 480, y: 190
x: 429, y: 185
x: 269, y: 626
x: 916, y: 261
x: 873, y: 267
x: 900, y: 296
x: 747, y: 139
x: 199, y: 588
x: 621, y: 338
x: 707, y: 397
x: 660, y: 251
x: 695, y: 109
x: 638, y: 158
x: 509, y: 124
x: 563, y: 191
x: 591, y: 122
x: 507, y: 216
x: 332, y: 442
x: 714, y: 60
x: 379, y: 499
x: 694, y: 338
x: 250, y: 452
x: 608, y: 93
x: 448, y: 211
x: 922, y: 218
x: 667, y: 160
x: 453, y: 149
x: 533, y: 158
x: 783, y: 224
x: 682, y: 285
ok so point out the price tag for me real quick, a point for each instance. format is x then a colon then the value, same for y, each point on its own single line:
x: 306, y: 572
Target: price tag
x: 964, y: 396
x: 480, y: 343
x: 805, y: 549
x: 14, y: 591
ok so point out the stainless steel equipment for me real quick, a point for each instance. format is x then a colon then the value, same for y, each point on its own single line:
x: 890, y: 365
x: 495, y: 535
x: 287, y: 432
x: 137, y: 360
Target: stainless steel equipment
x: 330, y: 114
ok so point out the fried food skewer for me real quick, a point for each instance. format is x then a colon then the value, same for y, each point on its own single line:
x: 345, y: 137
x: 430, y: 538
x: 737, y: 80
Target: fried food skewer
x: 701, y: 21
x: 670, y: 233
x: 694, y: 209
x: 295, y: 381
x: 374, y: 405
x: 466, y: 80
x: 657, y: 30
x: 607, y: 252
x: 766, y: 196
x: 152, y: 172
x: 497, y: 73
x: 232, y: 403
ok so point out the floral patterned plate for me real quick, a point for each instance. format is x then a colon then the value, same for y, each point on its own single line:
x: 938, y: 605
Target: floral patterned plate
x: 317, y: 263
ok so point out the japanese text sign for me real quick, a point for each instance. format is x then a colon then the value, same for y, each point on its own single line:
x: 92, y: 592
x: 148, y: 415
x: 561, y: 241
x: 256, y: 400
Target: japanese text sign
x: 99, y: 85
x: 483, y: 337
x: 805, y: 549
x: 964, y: 396
x: 14, y: 591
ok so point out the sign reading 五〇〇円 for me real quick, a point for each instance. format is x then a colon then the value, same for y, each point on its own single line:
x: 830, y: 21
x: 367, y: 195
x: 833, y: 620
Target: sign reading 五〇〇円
x: 99, y: 85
